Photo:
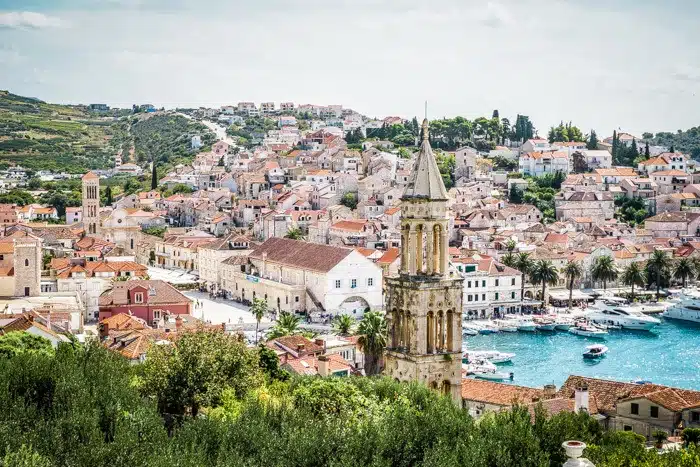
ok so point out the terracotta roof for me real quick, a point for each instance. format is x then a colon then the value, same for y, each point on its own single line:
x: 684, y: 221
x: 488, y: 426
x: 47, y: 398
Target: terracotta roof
x: 300, y: 254
x: 389, y: 256
x: 673, y: 173
x: 89, y: 175
x: 124, y: 321
x: 498, y: 393
x: 164, y: 293
x: 293, y: 342
x: 668, y: 217
x: 352, y: 225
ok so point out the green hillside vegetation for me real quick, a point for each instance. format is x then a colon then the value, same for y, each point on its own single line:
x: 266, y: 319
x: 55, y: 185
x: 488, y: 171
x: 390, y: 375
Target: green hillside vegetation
x: 37, y: 135
x: 687, y: 142
x: 212, y: 401
x: 166, y: 138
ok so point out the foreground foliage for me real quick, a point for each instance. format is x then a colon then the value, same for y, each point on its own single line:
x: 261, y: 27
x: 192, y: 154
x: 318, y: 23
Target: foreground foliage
x: 85, y: 406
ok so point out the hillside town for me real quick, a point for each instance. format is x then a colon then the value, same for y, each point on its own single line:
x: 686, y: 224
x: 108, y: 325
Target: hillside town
x: 314, y: 222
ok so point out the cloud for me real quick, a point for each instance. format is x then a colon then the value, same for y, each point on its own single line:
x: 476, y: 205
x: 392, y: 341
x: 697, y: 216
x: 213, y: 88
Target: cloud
x: 496, y: 16
x: 28, y: 20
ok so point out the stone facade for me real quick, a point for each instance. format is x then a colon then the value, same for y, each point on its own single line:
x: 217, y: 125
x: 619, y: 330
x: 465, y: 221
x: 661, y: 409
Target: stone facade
x: 424, y: 303
x: 91, y: 204
x: 27, y: 264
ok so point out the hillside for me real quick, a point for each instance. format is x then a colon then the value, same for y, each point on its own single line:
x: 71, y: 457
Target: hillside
x: 687, y: 142
x: 72, y: 138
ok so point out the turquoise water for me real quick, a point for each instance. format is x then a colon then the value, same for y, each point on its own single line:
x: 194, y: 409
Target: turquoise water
x: 670, y: 355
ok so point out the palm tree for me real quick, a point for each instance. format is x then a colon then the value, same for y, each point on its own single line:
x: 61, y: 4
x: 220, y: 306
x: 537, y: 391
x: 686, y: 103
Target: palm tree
x: 633, y: 275
x: 510, y: 245
x: 343, y: 324
x: 372, y: 333
x: 604, y: 269
x: 295, y: 234
x: 509, y: 260
x: 659, y: 263
x: 684, y: 269
x: 572, y: 271
x: 524, y: 264
x: 545, y: 273
x: 287, y: 325
x: 258, y: 308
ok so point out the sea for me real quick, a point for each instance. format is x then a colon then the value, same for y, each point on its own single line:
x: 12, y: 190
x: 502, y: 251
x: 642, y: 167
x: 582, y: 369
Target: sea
x: 669, y: 355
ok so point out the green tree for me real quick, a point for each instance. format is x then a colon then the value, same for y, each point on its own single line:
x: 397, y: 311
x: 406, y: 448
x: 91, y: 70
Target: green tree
x: 515, y: 195
x: 17, y: 342
x: 525, y: 264
x: 592, y: 143
x: 683, y: 269
x: 349, y: 200
x: 372, y: 332
x: 580, y: 164
x: 633, y: 275
x: 572, y: 271
x: 691, y: 436
x: 154, y: 175
x: 108, y: 196
x: 25, y: 457
x: 604, y: 270
x: 195, y: 370
x: 510, y: 245
x: 343, y: 324
x: 258, y: 309
x: 509, y: 260
x: 34, y: 183
x: 545, y: 273
x: 660, y: 264
x: 287, y: 324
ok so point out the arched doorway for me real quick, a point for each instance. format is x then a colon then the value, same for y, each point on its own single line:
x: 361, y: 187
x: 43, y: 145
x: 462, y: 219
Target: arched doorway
x: 354, y: 306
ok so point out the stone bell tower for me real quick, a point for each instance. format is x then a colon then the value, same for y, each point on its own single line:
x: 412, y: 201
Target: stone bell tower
x: 91, y: 204
x: 424, y: 303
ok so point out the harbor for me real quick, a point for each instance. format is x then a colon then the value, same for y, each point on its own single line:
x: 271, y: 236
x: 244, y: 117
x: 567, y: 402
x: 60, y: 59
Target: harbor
x: 667, y: 355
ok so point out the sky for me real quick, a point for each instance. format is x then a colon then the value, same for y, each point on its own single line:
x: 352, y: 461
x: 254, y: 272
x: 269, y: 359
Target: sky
x: 602, y: 64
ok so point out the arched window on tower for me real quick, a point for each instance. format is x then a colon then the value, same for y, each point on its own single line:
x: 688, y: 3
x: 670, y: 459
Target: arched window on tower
x: 26, y: 262
x: 430, y: 330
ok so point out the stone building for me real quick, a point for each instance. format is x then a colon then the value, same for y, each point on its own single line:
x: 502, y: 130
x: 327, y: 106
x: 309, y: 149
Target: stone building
x: 424, y: 303
x: 27, y: 266
x: 91, y: 204
x: 599, y: 205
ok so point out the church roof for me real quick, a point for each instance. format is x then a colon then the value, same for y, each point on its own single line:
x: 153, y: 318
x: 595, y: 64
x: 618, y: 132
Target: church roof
x: 89, y: 175
x: 426, y: 181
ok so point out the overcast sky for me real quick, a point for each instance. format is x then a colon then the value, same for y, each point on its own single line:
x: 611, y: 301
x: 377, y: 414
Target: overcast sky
x: 603, y: 64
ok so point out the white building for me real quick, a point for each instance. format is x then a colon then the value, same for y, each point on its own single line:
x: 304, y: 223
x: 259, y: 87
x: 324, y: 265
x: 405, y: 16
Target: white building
x: 212, y: 254
x: 490, y: 288
x: 540, y: 163
x: 294, y: 275
x: 196, y: 142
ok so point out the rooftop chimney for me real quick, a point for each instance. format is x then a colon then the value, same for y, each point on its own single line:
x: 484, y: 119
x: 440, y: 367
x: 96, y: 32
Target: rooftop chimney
x: 321, y: 343
x: 581, y: 398
x: 574, y: 451
x: 301, y: 349
x: 323, y: 365
x: 549, y: 391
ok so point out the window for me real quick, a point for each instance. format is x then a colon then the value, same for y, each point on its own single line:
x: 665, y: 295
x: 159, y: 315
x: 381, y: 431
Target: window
x: 370, y: 282
x: 353, y: 283
x: 496, y: 283
x: 627, y: 428
x: 512, y: 295
x: 156, y: 314
x: 654, y: 411
x: 634, y: 409
x: 476, y: 297
x: 695, y: 416
x: 496, y: 295
x: 483, y: 296
x: 2, y: 257
x: 469, y: 284
x: 512, y: 281
x: 26, y: 262
x: 138, y: 297
x: 469, y: 298
x: 296, y: 299
x: 476, y: 283
x: 337, y: 284
x: 483, y: 283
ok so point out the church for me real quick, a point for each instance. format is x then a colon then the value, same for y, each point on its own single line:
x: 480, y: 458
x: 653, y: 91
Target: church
x: 424, y: 302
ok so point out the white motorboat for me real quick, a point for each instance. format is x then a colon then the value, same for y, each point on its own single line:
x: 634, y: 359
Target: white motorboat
x: 563, y: 323
x: 588, y: 330
x: 488, y: 328
x: 486, y: 370
x: 627, y: 317
x: 595, y: 351
x: 544, y: 324
x: 684, y: 307
x: 493, y: 356
x: 506, y: 325
x: 526, y: 324
x: 469, y: 331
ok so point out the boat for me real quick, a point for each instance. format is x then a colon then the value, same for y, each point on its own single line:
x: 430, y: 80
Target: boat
x: 588, y: 330
x: 595, y: 351
x: 487, y: 328
x: 493, y: 356
x: 626, y: 317
x: 525, y: 324
x: 486, y: 370
x: 563, y: 323
x: 506, y: 325
x: 544, y: 324
x: 469, y: 331
x: 684, y: 307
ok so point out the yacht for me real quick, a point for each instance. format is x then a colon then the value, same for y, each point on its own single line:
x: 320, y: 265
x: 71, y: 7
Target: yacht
x: 506, y: 325
x: 493, y: 356
x: 487, y: 328
x: 469, y: 331
x: 588, y: 330
x: 627, y: 317
x: 563, y: 323
x: 486, y: 370
x: 684, y: 307
x: 545, y: 324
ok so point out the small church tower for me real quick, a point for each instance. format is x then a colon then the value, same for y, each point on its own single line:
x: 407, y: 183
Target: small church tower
x: 91, y: 204
x: 424, y: 303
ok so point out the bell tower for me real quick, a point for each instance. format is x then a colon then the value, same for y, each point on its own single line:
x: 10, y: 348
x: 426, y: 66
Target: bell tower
x: 91, y: 204
x: 424, y: 302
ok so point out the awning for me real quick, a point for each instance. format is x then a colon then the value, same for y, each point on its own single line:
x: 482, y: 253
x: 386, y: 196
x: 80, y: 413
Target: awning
x: 576, y: 295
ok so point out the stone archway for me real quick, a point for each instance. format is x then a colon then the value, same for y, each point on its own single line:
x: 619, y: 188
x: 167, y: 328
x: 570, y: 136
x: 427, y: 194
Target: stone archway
x: 528, y: 294
x: 354, y: 306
